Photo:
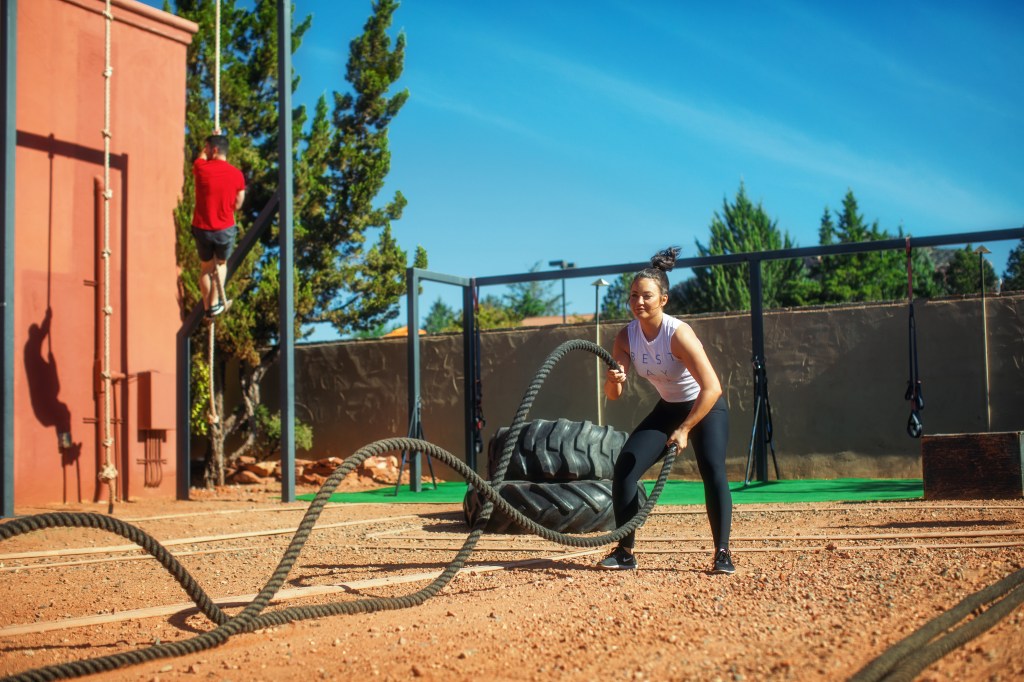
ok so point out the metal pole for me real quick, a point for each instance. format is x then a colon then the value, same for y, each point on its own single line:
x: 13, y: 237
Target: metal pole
x: 183, y: 413
x: 563, y: 301
x: 8, y: 115
x: 469, y: 377
x: 597, y: 339
x: 413, y: 349
x: 981, y: 251
x: 286, y: 278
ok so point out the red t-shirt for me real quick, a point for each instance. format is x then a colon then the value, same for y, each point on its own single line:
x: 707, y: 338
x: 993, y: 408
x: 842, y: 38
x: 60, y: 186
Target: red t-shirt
x: 217, y: 186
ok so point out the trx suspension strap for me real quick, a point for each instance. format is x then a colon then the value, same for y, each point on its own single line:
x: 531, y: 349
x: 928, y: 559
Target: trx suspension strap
x: 478, y: 391
x: 914, y: 426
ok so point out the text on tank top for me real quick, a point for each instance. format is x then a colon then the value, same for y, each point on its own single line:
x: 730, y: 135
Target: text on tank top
x: 653, y: 360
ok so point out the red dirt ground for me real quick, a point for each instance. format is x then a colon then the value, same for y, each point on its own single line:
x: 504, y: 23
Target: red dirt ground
x: 820, y: 591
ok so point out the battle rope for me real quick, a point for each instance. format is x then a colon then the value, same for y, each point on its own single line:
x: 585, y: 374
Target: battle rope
x: 251, y: 618
x: 108, y: 473
x: 905, y: 659
x: 914, y: 395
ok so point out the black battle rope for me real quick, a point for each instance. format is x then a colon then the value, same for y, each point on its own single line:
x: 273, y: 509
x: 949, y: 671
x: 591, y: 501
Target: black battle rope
x: 905, y: 659
x: 251, y: 618
x: 914, y: 396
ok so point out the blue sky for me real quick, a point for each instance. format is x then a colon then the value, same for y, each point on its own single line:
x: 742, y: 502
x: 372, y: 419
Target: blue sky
x: 600, y: 131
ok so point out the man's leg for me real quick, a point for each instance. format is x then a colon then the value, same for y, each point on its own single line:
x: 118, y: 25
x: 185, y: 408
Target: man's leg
x: 219, y: 296
x: 206, y: 286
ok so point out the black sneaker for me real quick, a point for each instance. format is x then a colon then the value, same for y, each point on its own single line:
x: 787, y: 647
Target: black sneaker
x: 723, y: 562
x: 619, y: 559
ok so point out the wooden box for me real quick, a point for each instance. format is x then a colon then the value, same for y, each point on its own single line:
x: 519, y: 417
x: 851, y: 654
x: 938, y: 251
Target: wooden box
x: 973, y: 466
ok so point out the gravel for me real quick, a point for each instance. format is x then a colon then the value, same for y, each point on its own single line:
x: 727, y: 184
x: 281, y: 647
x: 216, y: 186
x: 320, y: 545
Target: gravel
x: 820, y: 591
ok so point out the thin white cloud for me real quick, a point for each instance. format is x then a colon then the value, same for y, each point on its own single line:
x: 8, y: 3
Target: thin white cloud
x: 428, y: 97
x: 920, y: 188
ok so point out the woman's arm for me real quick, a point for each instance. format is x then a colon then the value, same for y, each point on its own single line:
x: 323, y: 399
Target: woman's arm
x: 687, y: 348
x: 615, y: 379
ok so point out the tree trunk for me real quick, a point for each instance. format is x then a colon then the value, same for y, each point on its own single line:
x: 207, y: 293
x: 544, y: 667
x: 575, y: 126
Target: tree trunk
x: 250, y: 378
x: 243, y: 417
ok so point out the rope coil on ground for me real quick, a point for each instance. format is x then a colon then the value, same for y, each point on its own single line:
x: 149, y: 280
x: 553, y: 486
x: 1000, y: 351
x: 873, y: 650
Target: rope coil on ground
x: 251, y: 617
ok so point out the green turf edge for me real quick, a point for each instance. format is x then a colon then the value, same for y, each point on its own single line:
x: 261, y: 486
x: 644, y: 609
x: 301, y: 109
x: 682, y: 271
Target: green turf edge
x: 682, y: 492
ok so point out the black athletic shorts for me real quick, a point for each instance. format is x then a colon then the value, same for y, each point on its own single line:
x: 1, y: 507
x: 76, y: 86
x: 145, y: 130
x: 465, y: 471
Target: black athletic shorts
x: 215, y: 243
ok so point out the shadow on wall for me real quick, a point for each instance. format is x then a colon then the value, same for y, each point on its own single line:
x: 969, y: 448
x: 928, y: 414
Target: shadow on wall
x: 44, y: 391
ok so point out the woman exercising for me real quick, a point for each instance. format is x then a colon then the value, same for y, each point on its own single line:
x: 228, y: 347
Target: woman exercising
x: 667, y: 352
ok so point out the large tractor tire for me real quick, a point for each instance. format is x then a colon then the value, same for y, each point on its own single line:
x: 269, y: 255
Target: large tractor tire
x: 558, y: 451
x: 573, y: 507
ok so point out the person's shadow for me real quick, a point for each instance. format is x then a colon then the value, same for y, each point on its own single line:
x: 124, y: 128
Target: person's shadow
x: 44, y: 388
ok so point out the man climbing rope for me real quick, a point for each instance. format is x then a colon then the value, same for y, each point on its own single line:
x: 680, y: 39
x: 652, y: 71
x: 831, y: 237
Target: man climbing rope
x: 220, y: 191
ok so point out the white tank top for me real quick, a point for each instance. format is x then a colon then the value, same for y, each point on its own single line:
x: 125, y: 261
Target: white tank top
x: 653, y: 360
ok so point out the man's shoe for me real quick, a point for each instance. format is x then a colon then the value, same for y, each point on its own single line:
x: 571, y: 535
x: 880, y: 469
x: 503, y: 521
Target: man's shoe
x: 219, y: 308
x: 619, y: 559
x: 723, y: 563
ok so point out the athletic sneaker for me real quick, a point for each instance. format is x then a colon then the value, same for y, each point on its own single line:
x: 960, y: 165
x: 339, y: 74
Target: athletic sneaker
x: 620, y: 558
x: 723, y: 562
x: 218, y: 309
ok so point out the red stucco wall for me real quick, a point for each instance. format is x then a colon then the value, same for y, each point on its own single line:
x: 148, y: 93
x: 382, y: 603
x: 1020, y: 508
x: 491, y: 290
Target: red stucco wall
x: 60, y: 115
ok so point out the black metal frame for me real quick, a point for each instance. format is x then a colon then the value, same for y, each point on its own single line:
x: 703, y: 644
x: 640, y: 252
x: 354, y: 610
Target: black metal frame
x: 761, y: 429
x: 8, y: 115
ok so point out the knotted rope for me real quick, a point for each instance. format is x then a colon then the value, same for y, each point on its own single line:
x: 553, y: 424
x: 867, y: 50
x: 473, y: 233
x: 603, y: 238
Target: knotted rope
x: 108, y: 473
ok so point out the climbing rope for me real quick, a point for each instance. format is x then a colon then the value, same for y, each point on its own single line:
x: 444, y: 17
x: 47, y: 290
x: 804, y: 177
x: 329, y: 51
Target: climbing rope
x: 211, y: 414
x: 108, y: 473
x: 251, y: 617
x: 216, y: 70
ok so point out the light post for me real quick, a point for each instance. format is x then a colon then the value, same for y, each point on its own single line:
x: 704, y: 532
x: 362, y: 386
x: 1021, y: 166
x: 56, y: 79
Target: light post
x: 598, y: 283
x: 981, y: 251
x: 562, y: 265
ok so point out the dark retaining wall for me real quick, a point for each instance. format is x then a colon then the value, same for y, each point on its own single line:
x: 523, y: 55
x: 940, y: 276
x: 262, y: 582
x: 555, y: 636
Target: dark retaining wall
x: 836, y: 377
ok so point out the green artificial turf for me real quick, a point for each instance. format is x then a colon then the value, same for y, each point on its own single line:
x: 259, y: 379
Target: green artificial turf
x: 686, y: 492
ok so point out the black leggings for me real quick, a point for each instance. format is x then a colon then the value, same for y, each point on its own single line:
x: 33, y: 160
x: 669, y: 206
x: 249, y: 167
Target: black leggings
x: 646, y: 445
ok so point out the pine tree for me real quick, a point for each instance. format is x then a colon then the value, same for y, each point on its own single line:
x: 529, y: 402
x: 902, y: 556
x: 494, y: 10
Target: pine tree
x: 441, y: 318
x: 531, y: 299
x: 340, y: 166
x: 360, y: 160
x: 742, y: 227
x: 868, y: 276
x: 493, y: 314
x: 963, y: 276
x: 1013, y: 277
x: 615, y: 304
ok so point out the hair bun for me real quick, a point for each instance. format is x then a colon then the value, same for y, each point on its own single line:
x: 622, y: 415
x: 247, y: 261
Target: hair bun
x: 665, y: 259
